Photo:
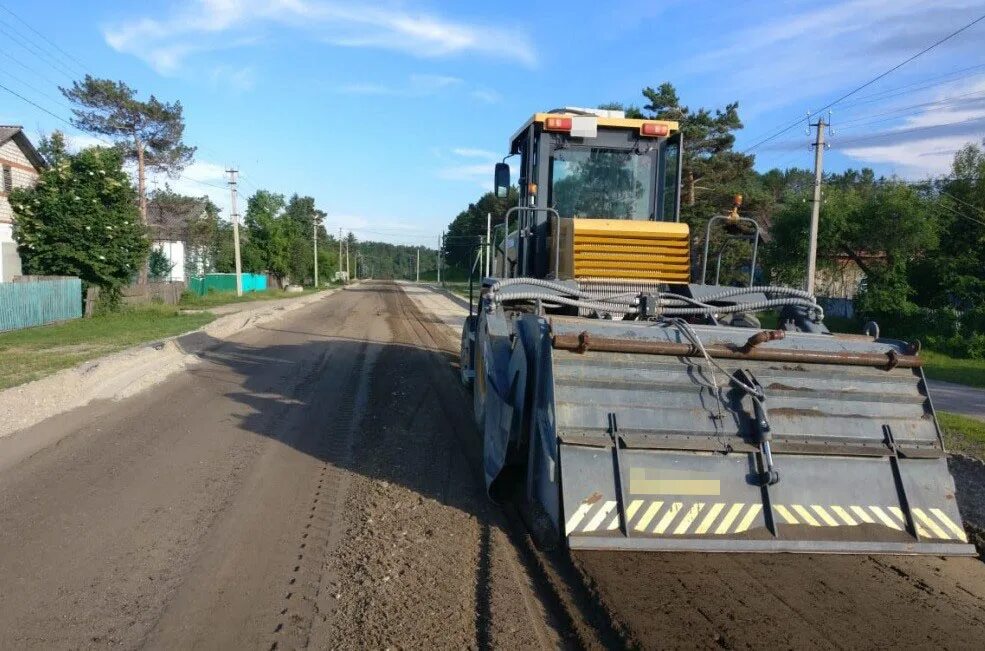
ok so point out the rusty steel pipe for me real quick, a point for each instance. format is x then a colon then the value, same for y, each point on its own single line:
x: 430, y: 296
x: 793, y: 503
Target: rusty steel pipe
x: 583, y: 342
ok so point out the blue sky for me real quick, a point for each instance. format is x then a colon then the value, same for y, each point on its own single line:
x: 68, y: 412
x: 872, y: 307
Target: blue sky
x: 391, y: 114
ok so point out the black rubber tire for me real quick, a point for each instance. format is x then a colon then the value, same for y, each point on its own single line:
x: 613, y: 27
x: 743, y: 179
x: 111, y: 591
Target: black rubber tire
x: 465, y: 355
x: 479, y: 388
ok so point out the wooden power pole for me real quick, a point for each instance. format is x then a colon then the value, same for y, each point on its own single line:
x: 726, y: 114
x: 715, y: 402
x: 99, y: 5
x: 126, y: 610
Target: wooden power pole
x: 816, y: 203
x: 235, y: 217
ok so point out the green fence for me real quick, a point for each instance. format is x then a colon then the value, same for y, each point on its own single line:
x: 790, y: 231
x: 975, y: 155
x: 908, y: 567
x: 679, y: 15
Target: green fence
x: 201, y: 285
x: 36, y: 301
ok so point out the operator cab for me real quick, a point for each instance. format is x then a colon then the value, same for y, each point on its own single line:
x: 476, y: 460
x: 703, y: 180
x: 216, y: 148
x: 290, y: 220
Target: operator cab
x: 585, y: 164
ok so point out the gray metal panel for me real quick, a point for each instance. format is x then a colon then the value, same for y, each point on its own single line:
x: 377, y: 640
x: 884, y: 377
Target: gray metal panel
x: 671, y: 396
x: 696, y: 500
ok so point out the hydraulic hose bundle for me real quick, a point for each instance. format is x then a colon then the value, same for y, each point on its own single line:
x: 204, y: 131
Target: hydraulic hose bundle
x: 666, y: 304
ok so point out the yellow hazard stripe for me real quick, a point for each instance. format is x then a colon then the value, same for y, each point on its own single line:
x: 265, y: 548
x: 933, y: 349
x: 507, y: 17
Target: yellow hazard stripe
x: 658, y: 517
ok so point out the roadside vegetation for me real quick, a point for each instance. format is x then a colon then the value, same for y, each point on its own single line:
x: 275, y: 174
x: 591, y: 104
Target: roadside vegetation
x: 963, y: 434
x: 33, y: 353
x: 216, y: 299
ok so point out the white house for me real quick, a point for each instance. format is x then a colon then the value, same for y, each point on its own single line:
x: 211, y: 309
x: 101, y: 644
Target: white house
x: 168, y: 217
x: 20, y: 164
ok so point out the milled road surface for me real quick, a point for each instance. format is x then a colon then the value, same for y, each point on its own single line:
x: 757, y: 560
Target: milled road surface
x: 315, y: 483
x: 301, y: 487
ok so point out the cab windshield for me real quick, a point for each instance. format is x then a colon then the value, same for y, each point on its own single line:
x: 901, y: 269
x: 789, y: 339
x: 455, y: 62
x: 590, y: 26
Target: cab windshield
x: 602, y: 183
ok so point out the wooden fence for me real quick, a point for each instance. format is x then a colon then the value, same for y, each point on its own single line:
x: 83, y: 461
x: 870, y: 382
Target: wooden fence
x: 36, y: 300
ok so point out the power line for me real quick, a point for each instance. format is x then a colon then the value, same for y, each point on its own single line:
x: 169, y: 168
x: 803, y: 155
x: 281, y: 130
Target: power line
x: 956, y: 213
x: 45, y: 58
x: 44, y: 38
x: 914, y: 86
x: 36, y: 105
x: 37, y: 90
x: 943, y: 102
x: 867, y: 84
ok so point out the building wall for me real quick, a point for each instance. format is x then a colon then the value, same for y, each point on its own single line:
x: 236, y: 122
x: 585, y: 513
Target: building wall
x: 10, y: 262
x: 175, y: 252
x: 23, y: 174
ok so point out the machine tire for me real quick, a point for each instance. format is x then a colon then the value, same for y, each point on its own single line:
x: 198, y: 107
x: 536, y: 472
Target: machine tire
x: 479, y: 387
x: 465, y: 355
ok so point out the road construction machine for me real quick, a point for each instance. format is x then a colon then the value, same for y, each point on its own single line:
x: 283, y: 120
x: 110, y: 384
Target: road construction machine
x: 624, y: 406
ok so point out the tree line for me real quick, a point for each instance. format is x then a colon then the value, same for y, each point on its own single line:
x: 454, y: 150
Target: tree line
x: 918, y: 248
x: 85, y: 218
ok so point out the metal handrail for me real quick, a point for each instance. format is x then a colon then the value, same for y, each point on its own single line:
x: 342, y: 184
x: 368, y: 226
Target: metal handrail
x: 506, y: 222
x: 755, y: 247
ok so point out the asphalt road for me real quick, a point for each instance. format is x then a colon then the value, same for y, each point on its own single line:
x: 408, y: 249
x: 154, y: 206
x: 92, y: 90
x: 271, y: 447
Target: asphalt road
x: 958, y: 398
x: 314, y: 482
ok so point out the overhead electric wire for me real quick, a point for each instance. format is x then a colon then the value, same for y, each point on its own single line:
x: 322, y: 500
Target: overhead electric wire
x: 36, y: 89
x: 36, y: 105
x: 44, y: 38
x: 43, y: 57
x: 911, y: 87
x: 866, y: 84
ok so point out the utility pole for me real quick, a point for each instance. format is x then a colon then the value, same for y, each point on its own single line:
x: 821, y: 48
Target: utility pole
x: 235, y: 217
x: 418, y: 279
x: 347, y: 259
x: 340, y: 256
x: 816, y: 203
x: 314, y: 240
x: 441, y: 240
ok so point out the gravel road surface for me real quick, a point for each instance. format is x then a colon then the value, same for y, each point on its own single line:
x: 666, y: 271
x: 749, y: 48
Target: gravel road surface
x: 300, y: 487
x: 314, y: 482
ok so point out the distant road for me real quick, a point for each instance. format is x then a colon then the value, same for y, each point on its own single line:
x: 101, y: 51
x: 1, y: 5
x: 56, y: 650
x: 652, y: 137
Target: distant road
x: 958, y: 398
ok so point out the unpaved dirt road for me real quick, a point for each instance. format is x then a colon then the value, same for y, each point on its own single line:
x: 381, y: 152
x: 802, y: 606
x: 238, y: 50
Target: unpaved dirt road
x: 301, y: 487
x: 314, y: 483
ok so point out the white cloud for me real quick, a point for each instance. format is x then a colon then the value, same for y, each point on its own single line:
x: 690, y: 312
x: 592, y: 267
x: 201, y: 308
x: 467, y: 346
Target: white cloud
x: 486, y: 96
x: 418, y: 85
x: 809, y: 54
x: 79, y: 141
x: 470, y: 152
x: 207, y: 25
x: 199, y: 179
x: 922, y: 143
x: 238, y: 79
x: 470, y: 164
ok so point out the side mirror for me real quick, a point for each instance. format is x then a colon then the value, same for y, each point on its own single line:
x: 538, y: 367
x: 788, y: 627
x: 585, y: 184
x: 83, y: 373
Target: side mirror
x: 502, y: 182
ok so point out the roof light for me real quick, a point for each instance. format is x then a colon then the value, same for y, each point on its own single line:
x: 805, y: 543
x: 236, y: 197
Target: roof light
x: 654, y: 129
x: 557, y: 124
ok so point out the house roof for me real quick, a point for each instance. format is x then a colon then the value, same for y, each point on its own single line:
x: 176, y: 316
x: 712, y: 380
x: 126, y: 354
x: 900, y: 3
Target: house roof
x: 16, y: 133
x: 168, y: 217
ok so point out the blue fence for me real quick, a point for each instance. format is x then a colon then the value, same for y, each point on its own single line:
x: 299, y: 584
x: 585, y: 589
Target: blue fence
x: 201, y: 285
x: 37, y: 301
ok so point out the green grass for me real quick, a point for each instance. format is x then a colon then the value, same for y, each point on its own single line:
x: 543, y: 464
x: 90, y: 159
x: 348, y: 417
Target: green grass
x: 33, y: 353
x: 215, y: 299
x: 940, y: 366
x: 963, y: 434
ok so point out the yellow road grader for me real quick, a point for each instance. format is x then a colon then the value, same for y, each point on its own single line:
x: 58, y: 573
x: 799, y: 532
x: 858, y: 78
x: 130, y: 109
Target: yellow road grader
x: 626, y: 407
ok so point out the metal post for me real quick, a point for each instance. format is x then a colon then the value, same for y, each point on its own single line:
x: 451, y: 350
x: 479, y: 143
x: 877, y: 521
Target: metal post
x: 441, y: 240
x: 235, y: 217
x: 341, y: 278
x: 816, y: 204
x: 489, y: 248
x: 314, y: 240
x: 347, y: 259
x: 418, y: 277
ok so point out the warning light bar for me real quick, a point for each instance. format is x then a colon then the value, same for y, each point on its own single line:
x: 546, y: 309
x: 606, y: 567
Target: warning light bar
x: 654, y: 129
x: 557, y: 124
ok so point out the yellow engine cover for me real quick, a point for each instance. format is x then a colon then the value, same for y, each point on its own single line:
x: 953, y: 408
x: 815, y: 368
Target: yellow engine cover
x: 625, y: 250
